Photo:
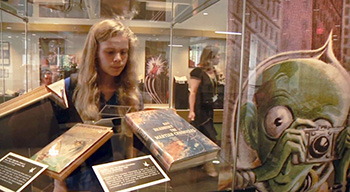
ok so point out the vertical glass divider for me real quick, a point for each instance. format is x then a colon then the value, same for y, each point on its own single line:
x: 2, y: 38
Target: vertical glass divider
x: 2, y: 53
x: 26, y: 46
x: 170, y: 64
x: 239, y: 97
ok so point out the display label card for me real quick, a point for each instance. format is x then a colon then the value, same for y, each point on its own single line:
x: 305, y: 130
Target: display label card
x: 16, y: 172
x: 130, y: 174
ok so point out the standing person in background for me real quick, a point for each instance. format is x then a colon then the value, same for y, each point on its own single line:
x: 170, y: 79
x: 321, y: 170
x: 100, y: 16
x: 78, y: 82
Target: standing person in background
x: 203, y: 93
x: 106, y: 76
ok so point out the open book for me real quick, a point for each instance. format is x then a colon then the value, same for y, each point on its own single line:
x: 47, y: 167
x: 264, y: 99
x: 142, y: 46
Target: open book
x: 171, y: 139
x: 55, y: 92
x: 72, y: 148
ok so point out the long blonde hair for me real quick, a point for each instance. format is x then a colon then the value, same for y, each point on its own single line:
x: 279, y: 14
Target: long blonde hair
x: 207, y: 56
x: 86, y: 95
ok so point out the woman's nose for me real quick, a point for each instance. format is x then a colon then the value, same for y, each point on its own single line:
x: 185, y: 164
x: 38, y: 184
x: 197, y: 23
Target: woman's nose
x: 117, y: 57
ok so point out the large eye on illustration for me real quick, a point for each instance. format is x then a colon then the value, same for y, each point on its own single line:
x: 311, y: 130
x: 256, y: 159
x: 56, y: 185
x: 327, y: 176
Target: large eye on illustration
x: 277, y: 120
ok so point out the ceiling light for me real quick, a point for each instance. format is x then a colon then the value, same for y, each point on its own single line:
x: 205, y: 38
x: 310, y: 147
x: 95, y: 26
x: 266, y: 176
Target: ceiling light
x: 50, y: 1
x: 205, y: 13
x: 175, y: 45
x: 228, y: 33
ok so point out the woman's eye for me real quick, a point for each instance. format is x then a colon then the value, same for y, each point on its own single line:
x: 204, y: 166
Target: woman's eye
x: 124, y: 52
x: 278, y: 119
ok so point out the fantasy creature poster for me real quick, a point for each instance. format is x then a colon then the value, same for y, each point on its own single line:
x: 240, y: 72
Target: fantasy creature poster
x: 288, y: 127
x: 156, y: 81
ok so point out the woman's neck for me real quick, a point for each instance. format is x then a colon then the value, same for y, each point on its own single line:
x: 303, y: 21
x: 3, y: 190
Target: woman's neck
x: 107, y: 86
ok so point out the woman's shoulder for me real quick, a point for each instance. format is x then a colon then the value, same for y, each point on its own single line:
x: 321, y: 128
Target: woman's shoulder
x: 197, y: 69
x: 196, y: 72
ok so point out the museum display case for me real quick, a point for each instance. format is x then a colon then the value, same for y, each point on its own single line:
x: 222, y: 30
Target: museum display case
x: 282, y: 83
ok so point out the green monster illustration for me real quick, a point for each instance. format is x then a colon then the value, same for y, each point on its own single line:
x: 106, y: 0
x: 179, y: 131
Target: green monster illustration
x: 293, y: 133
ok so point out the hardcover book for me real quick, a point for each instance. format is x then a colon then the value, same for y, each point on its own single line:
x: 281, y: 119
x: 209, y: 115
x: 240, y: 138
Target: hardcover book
x: 171, y: 139
x: 72, y: 148
x: 54, y: 91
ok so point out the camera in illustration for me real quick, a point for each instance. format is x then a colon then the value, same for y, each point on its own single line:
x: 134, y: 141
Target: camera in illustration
x: 321, y: 142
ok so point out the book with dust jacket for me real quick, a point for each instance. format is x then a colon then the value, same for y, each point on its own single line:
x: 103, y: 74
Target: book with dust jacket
x: 171, y: 139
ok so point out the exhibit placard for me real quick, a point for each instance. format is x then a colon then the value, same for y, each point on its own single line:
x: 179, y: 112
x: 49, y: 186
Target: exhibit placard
x: 16, y: 172
x: 130, y: 174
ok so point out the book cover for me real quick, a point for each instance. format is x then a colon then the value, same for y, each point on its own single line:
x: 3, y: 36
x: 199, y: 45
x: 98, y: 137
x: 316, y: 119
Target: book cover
x: 72, y: 148
x: 171, y: 139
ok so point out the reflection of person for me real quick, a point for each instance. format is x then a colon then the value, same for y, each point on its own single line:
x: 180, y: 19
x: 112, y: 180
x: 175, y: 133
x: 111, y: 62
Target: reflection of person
x: 106, y: 76
x: 46, y: 77
x: 203, y: 94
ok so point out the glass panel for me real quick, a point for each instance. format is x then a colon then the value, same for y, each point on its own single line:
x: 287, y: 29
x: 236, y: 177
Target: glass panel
x: 200, y: 30
x: 171, y: 38
x: 190, y: 37
x: 12, y: 58
x: 16, y: 7
x: 291, y: 113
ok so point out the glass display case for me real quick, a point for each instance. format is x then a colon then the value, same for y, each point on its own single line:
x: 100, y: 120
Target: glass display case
x: 282, y: 80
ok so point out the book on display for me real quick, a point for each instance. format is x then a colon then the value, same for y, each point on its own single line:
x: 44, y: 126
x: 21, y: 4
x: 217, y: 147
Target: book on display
x: 72, y: 148
x: 173, y: 141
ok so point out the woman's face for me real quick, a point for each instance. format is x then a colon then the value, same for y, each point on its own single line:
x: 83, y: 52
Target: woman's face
x: 216, y: 59
x: 113, y: 55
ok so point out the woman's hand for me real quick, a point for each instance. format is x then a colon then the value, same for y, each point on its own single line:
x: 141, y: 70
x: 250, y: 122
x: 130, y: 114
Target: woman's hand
x: 191, y: 116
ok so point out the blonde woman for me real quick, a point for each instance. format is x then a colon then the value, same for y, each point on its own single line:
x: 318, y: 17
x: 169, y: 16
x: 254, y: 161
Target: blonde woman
x: 107, y: 70
x: 106, y: 76
x: 203, y: 93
